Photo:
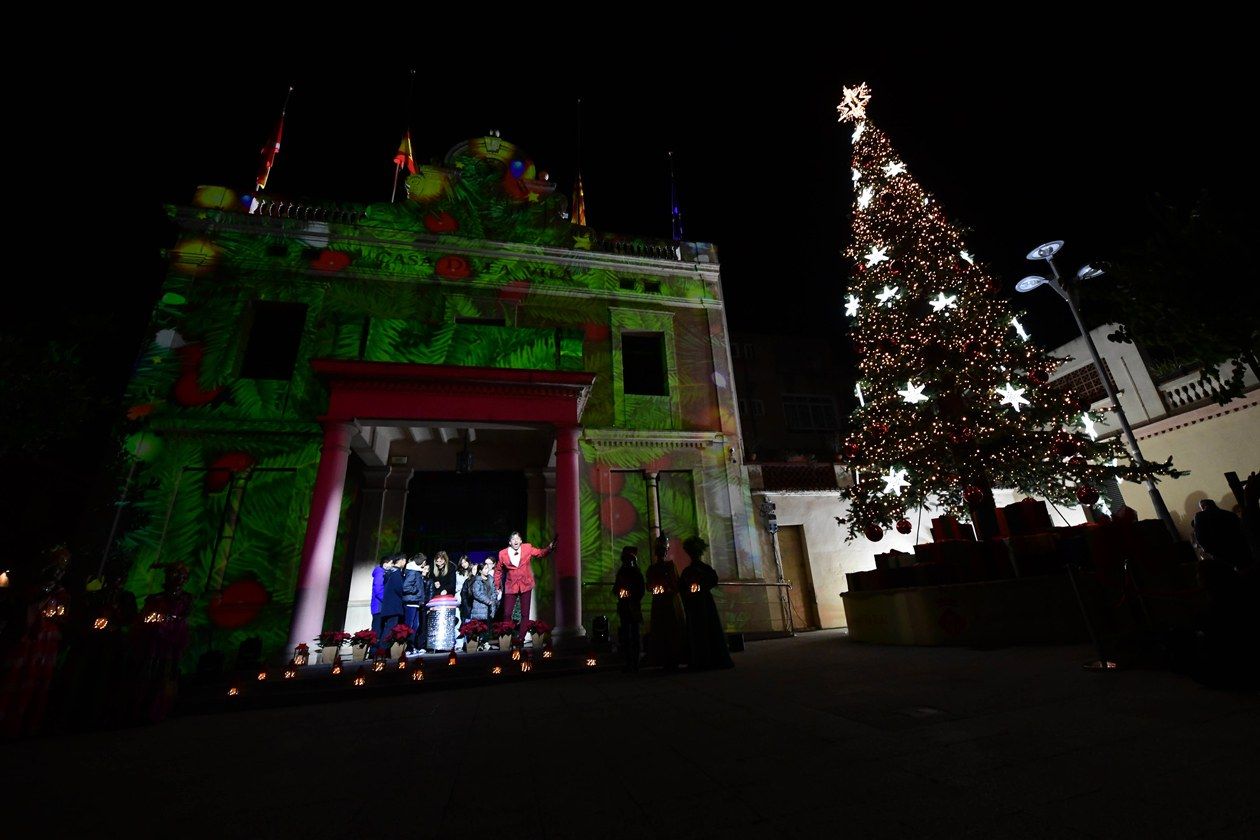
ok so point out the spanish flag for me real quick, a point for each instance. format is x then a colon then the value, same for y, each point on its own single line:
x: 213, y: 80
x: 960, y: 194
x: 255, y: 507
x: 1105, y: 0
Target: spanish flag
x: 404, y: 156
x: 272, y: 149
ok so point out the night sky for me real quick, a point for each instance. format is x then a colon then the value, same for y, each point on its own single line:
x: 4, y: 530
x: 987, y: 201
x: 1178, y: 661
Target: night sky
x: 1058, y: 130
x: 1054, y: 132
x: 1019, y: 148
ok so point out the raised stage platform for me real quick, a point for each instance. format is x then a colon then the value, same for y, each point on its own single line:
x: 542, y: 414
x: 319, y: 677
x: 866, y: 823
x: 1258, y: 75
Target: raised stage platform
x: 1039, y: 609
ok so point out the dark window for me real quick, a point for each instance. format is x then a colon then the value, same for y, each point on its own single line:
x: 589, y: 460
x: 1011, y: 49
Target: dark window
x: 652, y: 287
x: 643, y: 360
x: 275, y: 334
x: 627, y: 285
x: 806, y: 413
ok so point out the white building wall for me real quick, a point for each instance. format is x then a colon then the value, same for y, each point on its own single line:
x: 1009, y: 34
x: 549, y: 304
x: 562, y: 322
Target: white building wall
x: 831, y: 558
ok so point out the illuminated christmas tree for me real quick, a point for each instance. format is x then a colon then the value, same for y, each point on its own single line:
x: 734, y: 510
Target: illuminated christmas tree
x: 953, y: 396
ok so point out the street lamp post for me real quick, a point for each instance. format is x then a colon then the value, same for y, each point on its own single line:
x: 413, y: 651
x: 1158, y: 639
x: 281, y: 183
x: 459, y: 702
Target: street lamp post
x: 1046, y: 252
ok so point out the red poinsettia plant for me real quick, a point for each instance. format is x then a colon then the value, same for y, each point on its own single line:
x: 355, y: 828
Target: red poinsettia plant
x: 363, y: 638
x: 539, y: 626
x: 398, y: 634
x: 473, y: 629
x: 504, y: 628
x: 330, y: 638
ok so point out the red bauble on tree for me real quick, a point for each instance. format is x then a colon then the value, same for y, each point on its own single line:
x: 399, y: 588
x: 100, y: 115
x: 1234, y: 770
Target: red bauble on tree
x: 973, y: 494
x: 1066, y: 446
x: 879, y: 428
x: 1086, y: 495
x: 1038, y: 377
x: 851, y: 450
x: 873, y: 532
x: 1076, y: 461
x: 904, y: 526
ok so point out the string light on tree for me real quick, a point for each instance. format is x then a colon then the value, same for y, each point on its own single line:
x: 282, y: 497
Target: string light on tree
x: 851, y: 306
x: 1012, y: 396
x: 944, y: 302
x: 913, y: 393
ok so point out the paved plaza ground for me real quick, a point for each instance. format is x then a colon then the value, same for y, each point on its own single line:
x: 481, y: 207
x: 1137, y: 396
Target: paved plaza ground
x: 811, y: 736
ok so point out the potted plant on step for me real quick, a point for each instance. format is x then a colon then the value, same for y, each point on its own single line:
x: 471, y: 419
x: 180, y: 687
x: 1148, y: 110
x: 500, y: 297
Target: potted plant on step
x: 362, y: 642
x: 505, y: 630
x: 329, y: 644
x: 472, y: 631
x: 538, y: 630
x: 397, y: 638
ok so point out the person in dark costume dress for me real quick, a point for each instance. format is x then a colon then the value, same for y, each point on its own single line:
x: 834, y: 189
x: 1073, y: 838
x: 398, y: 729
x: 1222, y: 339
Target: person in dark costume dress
x: 704, y: 626
x: 158, y: 641
x: 667, y: 639
x: 628, y: 588
x: 92, y: 678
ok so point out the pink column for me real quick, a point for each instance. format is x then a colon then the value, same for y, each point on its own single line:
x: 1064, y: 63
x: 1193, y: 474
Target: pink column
x: 311, y: 596
x: 568, y: 559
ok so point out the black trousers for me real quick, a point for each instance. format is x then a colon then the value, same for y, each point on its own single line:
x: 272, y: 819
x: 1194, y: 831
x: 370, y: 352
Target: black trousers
x: 628, y: 637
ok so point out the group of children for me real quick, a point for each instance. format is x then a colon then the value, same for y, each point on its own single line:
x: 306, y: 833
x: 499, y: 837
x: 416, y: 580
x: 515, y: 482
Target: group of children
x: 403, y: 588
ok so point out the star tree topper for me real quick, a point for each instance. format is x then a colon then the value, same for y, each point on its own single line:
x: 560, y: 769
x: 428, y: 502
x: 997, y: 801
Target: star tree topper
x: 853, y: 106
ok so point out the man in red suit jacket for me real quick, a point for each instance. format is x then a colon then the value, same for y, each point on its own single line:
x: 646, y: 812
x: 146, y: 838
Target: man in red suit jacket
x: 515, y: 579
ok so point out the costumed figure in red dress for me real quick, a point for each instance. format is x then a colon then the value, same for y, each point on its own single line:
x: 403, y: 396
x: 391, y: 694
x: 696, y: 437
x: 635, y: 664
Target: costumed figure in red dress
x: 31, y: 638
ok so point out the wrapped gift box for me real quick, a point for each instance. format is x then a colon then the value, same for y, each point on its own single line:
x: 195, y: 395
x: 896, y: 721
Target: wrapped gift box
x: 949, y: 528
x: 1025, y: 517
x: 869, y: 581
x: 894, y: 559
x: 1034, y: 554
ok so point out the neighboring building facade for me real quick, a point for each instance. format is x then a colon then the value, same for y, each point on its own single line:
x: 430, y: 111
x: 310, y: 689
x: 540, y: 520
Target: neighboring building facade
x: 329, y: 384
x: 1176, y: 415
x: 791, y: 401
